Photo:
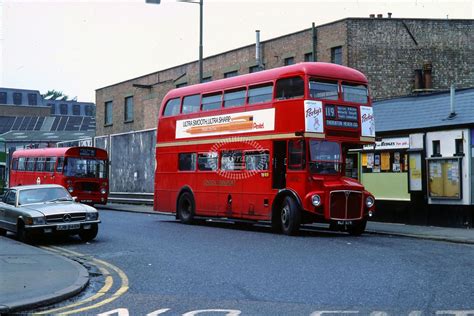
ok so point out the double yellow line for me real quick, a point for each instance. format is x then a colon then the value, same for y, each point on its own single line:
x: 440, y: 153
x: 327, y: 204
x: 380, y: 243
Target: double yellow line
x: 104, y: 268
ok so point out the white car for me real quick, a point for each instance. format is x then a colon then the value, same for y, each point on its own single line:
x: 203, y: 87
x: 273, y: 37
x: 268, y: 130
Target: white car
x: 46, y: 209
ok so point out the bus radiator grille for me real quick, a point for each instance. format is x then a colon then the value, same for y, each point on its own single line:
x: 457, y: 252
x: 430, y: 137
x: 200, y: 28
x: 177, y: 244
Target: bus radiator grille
x: 345, y: 205
x: 87, y: 186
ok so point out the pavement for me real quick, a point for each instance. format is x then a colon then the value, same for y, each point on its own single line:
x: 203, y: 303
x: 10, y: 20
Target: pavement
x: 32, y: 277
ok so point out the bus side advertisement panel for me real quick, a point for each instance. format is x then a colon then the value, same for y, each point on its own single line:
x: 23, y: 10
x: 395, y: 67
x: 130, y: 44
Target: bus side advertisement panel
x: 243, y: 122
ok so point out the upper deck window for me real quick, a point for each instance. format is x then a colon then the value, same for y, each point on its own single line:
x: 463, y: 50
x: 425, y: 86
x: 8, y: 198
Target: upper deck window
x: 172, y: 107
x: 191, y: 104
x: 327, y: 90
x: 354, y: 93
x: 260, y: 94
x: 234, y: 98
x: 211, y: 102
x: 290, y: 88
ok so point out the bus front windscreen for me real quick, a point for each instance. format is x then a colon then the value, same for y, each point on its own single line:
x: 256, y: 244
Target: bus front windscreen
x: 325, y: 157
x: 85, y: 168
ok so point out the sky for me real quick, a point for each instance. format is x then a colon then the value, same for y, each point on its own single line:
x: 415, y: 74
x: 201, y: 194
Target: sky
x: 78, y: 46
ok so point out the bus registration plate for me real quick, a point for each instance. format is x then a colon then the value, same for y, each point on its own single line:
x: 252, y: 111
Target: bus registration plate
x: 68, y: 226
x: 344, y: 222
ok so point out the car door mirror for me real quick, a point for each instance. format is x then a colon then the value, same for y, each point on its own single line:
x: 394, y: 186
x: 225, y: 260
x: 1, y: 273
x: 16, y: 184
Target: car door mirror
x: 74, y: 198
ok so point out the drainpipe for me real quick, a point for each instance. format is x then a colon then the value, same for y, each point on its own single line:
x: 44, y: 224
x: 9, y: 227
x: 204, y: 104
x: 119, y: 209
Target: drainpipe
x: 315, y: 41
x: 452, y: 103
x: 258, y: 52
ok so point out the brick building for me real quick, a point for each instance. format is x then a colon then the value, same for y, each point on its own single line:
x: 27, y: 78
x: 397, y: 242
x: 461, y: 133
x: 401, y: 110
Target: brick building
x: 388, y: 50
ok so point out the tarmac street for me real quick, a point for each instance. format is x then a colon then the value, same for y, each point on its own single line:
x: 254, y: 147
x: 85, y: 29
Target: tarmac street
x: 143, y: 263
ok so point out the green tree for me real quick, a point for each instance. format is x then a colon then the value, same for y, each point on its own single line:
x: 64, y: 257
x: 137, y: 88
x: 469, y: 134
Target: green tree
x: 55, y: 95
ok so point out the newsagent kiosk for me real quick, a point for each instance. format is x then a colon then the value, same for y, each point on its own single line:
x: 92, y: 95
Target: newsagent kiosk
x: 421, y: 168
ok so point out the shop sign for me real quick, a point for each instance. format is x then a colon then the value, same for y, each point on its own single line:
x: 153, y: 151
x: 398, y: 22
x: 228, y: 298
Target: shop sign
x: 390, y: 143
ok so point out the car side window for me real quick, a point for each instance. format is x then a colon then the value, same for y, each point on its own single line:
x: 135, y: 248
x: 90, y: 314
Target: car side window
x: 10, y: 197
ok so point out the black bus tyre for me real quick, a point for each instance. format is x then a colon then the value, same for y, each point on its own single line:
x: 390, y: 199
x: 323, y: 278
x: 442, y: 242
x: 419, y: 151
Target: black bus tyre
x: 89, y: 234
x: 357, y: 228
x: 186, y: 208
x: 290, y: 217
x: 3, y: 232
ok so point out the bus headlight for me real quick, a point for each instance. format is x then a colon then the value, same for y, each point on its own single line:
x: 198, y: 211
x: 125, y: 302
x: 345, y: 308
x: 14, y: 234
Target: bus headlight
x: 103, y: 190
x: 70, y: 189
x: 369, y: 202
x: 316, y: 200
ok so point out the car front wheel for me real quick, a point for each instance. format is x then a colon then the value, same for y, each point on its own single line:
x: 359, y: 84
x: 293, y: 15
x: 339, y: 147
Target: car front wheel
x: 22, y: 234
x: 89, y: 234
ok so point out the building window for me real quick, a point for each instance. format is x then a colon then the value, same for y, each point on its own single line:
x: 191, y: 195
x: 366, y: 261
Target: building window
x: 52, y: 107
x: 436, y: 149
x: 207, y: 79
x: 3, y: 98
x: 289, y: 61
x: 231, y: 74
x: 180, y: 85
x: 255, y: 68
x: 459, y: 147
x: 63, y: 109
x: 89, y: 110
x: 17, y: 98
x: 108, y: 113
x: 128, y: 111
x: 308, y: 57
x: 336, y: 55
x: 76, y: 109
x: 32, y: 99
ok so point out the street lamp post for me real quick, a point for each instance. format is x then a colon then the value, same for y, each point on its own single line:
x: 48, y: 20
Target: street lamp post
x: 200, y: 2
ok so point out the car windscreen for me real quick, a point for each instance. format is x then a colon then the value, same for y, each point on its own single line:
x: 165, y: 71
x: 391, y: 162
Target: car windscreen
x: 41, y: 195
x: 85, y: 168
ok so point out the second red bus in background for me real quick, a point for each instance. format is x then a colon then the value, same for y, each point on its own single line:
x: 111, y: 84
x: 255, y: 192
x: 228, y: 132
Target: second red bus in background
x: 81, y: 170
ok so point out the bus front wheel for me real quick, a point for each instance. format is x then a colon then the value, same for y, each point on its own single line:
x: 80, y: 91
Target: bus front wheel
x: 186, y: 207
x: 357, y: 228
x: 290, y: 216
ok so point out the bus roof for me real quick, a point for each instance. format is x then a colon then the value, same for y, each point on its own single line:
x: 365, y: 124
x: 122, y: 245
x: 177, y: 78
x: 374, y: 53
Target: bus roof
x: 318, y: 69
x: 49, y: 152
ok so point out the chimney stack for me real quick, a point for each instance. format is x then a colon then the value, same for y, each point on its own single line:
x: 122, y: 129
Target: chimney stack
x: 372, y: 16
x: 389, y: 15
x: 379, y: 16
x: 258, y: 53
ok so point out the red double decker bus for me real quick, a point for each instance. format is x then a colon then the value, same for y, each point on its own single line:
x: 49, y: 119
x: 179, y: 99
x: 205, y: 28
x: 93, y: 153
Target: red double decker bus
x: 81, y: 170
x: 266, y: 146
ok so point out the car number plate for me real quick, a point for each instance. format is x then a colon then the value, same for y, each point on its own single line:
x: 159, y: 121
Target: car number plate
x: 68, y: 226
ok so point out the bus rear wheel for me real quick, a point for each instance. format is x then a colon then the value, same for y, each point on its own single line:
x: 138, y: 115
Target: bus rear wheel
x: 186, y: 207
x: 290, y: 217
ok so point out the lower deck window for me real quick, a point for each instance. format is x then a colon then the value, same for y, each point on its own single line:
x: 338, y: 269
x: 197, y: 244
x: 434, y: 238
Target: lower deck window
x: 187, y: 162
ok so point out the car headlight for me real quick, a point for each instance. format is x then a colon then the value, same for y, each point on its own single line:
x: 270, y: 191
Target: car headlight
x: 103, y: 190
x: 369, y: 202
x: 35, y: 220
x: 90, y: 216
x: 70, y: 189
x: 316, y: 200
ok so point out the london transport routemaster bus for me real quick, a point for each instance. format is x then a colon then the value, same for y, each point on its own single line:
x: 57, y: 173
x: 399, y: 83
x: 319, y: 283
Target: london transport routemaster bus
x: 266, y: 146
x: 81, y: 170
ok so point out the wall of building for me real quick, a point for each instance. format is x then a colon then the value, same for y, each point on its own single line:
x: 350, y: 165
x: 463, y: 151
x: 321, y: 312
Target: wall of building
x: 389, y: 50
x: 21, y: 110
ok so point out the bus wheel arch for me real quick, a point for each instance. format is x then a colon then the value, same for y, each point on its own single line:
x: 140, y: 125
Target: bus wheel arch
x: 185, y: 205
x: 286, y: 213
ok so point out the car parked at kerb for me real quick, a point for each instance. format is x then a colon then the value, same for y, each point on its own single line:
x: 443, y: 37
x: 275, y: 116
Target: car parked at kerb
x: 33, y: 210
